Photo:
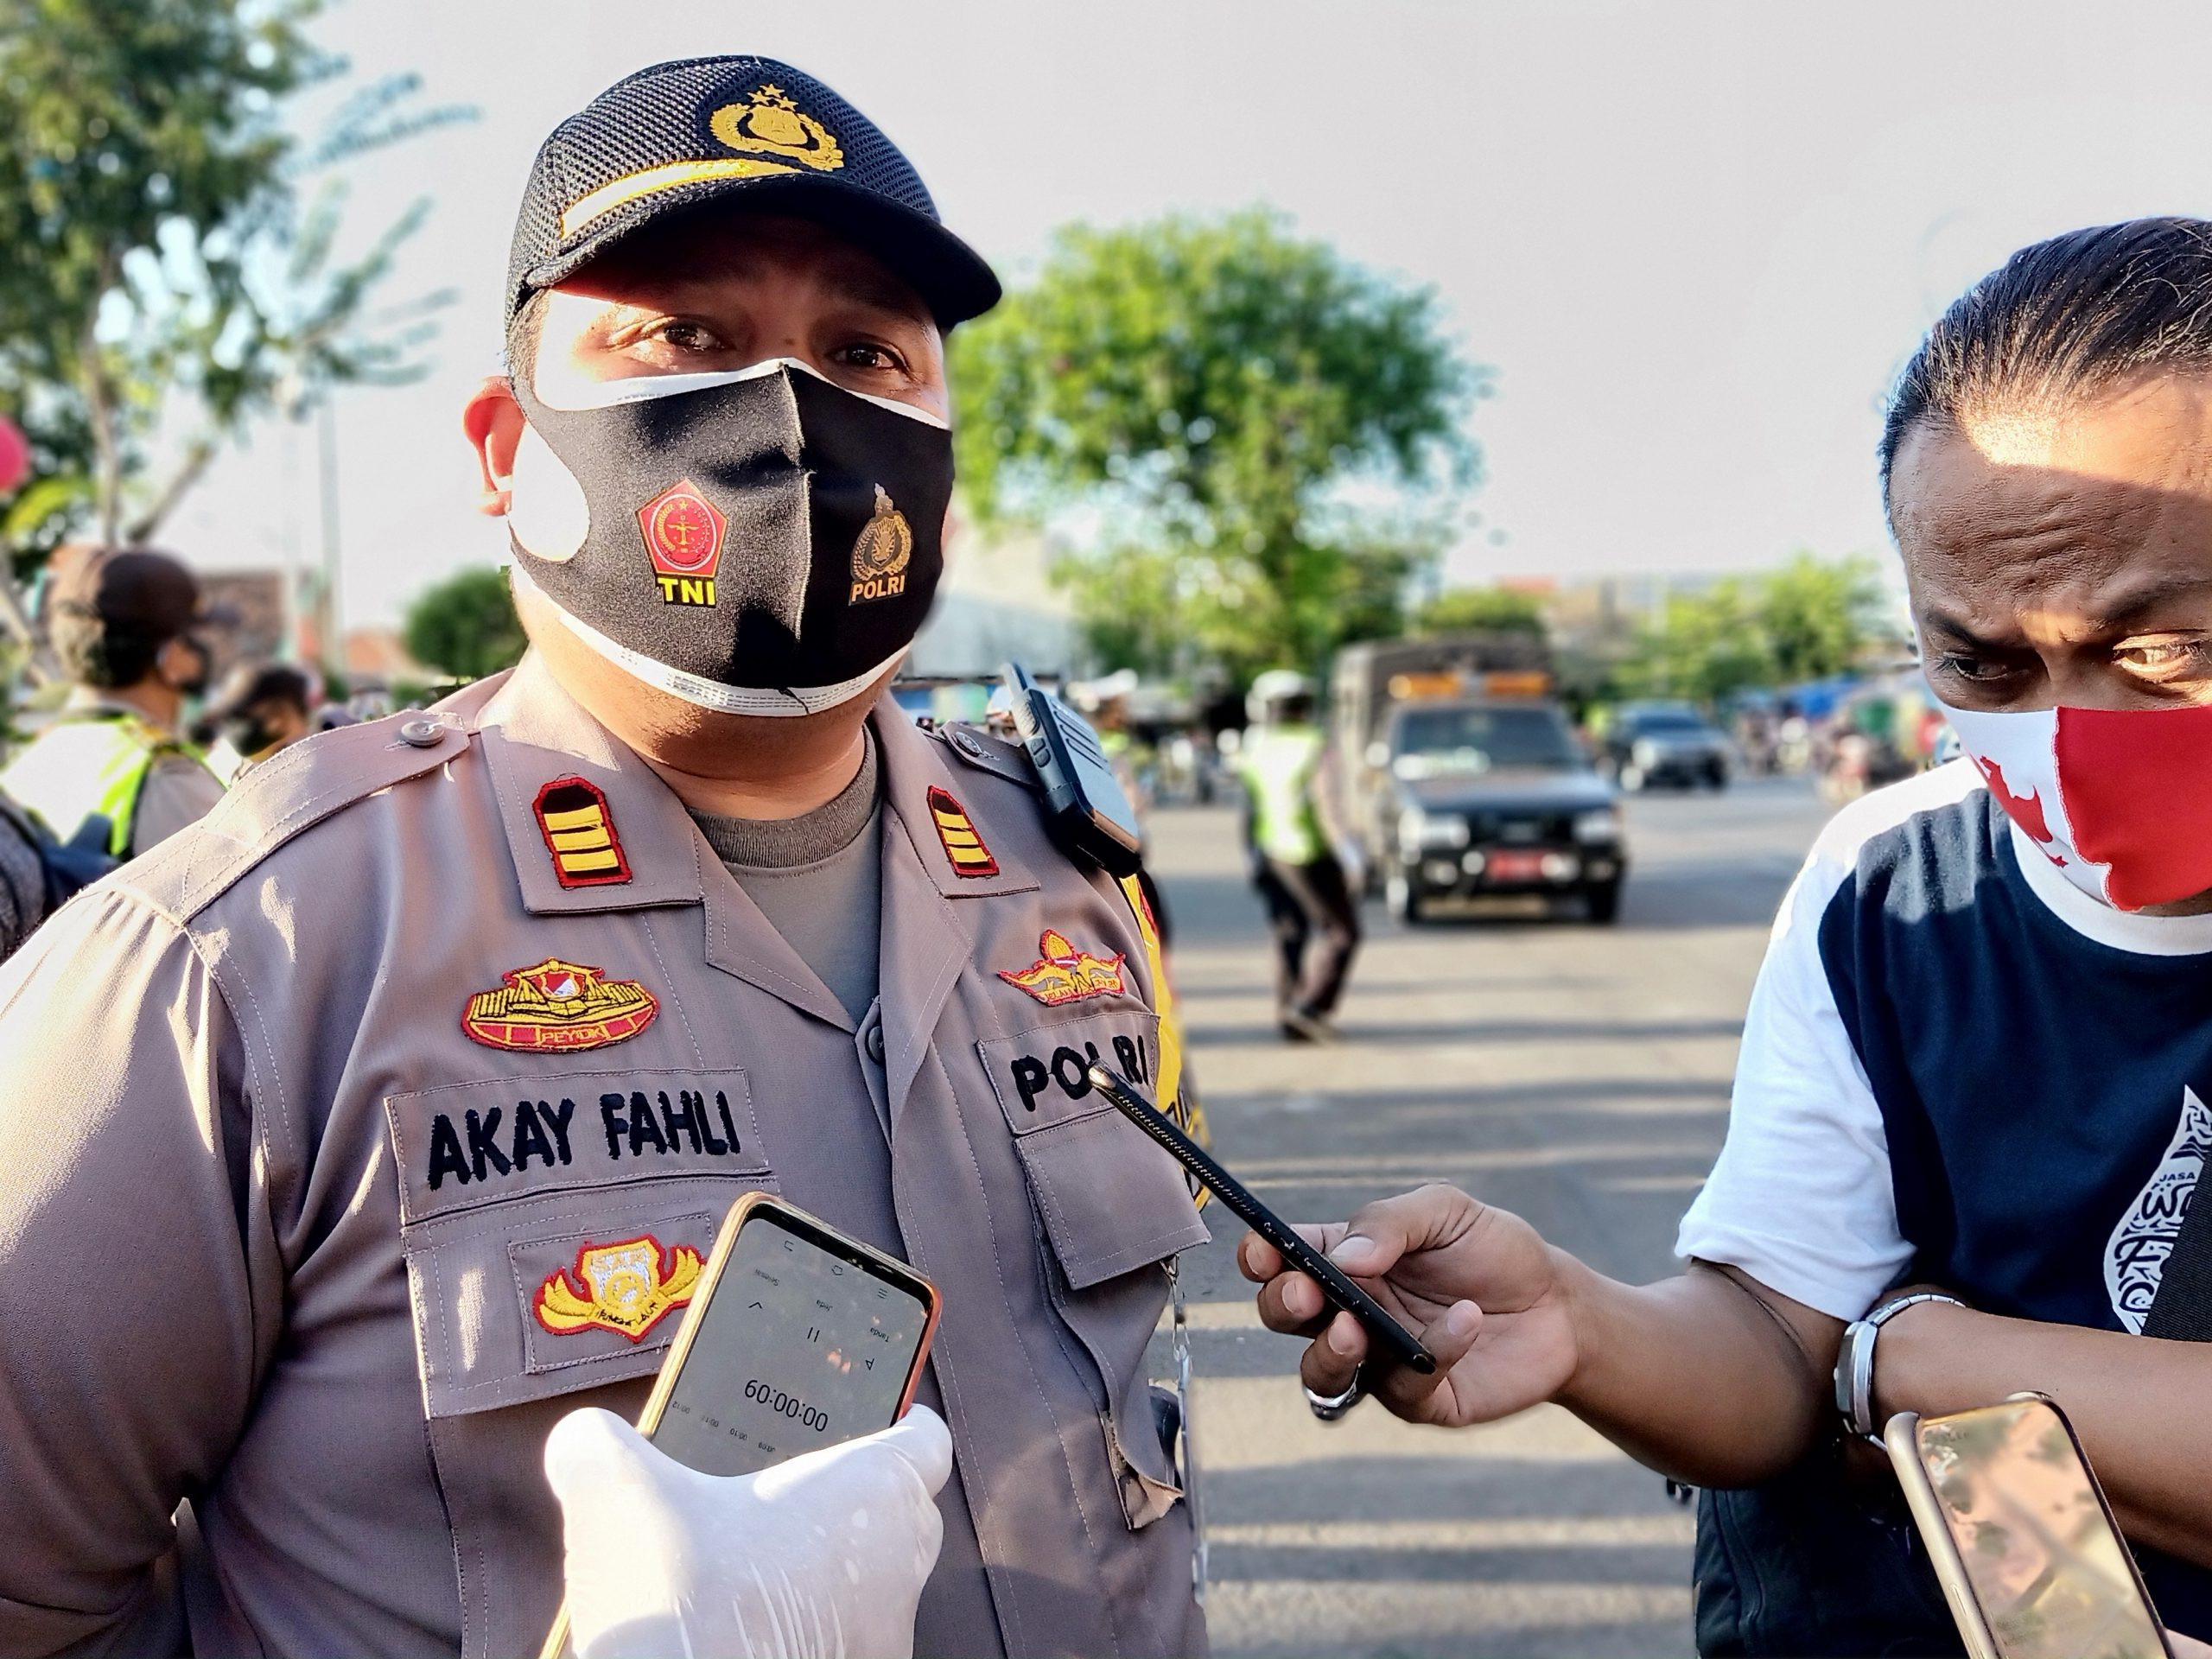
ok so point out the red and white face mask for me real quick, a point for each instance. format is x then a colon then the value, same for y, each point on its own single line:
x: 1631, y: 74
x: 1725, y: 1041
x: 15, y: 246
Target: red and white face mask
x: 2119, y: 799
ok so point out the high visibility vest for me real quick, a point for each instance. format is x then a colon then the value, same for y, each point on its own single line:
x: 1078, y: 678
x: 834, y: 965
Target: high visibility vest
x: 87, y: 763
x: 1279, y: 765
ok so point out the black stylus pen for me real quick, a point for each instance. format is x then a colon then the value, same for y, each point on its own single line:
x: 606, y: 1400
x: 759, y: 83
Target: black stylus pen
x: 1405, y: 1346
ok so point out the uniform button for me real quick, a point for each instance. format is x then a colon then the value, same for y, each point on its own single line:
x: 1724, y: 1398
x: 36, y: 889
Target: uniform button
x: 422, y: 734
x: 873, y: 1043
x: 966, y: 743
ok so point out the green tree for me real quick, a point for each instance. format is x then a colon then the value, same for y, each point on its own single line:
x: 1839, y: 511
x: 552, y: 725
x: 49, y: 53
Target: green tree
x: 1707, y: 647
x: 170, y: 238
x: 1819, y: 617
x: 1482, y: 610
x: 465, y: 626
x: 1807, y: 620
x: 1246, y: 443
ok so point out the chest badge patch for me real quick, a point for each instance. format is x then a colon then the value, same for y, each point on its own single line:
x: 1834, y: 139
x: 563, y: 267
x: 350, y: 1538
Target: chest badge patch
x: 579, y: 832
x: 1065, y: 973
x: 627, y: 1287
x: 962, y: 845
x: 559, y: 1006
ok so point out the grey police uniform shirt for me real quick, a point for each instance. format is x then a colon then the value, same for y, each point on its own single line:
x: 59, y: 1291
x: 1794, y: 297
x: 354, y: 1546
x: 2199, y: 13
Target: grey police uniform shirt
x: 364, y: 1129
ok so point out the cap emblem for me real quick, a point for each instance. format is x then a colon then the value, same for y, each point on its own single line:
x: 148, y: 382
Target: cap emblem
x: 683, y: 534
x: 769, y: 124
x: 880, y: 555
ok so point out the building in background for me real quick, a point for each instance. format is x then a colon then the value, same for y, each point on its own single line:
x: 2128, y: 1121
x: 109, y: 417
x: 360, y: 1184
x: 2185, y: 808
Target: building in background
x: 249, y: 617
x: 997, y: 601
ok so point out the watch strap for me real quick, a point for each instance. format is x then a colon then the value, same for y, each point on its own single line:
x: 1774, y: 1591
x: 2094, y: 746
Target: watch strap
x: 1854, y: 1363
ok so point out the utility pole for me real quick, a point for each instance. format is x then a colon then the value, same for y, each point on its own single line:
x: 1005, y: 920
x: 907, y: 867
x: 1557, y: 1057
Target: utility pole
x: 332, y: 619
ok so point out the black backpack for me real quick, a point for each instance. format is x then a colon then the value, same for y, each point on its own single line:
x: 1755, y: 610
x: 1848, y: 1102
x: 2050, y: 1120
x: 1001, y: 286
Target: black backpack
x: 66, y: 868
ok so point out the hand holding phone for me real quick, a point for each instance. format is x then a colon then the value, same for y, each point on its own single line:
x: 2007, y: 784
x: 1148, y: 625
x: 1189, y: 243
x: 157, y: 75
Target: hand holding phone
x: 797, y: 1338
x: 1400, y: 1343
x: 839, y: 1540
x: 2022, y: 1539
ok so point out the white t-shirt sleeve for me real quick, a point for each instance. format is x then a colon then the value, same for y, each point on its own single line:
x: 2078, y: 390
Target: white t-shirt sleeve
x: 1801, y: 1197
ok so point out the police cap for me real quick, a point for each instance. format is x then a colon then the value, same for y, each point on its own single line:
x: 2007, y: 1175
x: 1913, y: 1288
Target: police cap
x: 147, y: 593
x: 745, y: 129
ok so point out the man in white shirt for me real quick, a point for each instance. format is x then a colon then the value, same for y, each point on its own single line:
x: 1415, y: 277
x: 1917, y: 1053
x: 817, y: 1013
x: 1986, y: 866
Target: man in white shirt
x: 1970, y: 1108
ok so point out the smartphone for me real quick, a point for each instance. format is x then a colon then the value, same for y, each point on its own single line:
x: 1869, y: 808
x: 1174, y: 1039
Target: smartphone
x: 797, y: 1338
x: 1404, y: 1346
x: 2021, y: 1537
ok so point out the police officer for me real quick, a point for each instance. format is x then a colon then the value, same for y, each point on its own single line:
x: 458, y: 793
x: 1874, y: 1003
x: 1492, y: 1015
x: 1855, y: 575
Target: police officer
x: 368, y: 1129
x: 122, y: 623
x: 1311, y: 909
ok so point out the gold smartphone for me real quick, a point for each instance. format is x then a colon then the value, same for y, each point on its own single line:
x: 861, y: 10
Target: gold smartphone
x: 2024, y: 1544
x: 797, y: 1338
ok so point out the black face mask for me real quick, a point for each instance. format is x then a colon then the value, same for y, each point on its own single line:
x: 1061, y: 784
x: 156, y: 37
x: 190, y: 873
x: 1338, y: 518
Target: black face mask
x: 197, y: 685
x: 247, y: 734
x: 762, y: 544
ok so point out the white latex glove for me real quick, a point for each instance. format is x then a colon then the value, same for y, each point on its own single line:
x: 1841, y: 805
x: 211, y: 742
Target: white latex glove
x: 822, y: 1557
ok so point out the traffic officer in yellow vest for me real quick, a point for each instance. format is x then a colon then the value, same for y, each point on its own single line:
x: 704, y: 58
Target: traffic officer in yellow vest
x: 328, y: 1124
x: 1311, y: 908
x: 122, y: 622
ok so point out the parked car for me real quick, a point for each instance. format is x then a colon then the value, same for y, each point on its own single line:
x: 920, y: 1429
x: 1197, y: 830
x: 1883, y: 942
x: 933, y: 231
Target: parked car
x: 1496, y: 796
x: 1664, y: 743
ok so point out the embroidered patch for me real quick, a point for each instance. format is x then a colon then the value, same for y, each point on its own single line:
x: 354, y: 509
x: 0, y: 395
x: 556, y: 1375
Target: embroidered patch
x: 770, y: 123
x: 683, y: 534
x: 880, y: 552
x: 579, y: 832
x: 958, y: 831
x: 1064, y: 973
x: 558, y: 1005
x: 628, y: 1287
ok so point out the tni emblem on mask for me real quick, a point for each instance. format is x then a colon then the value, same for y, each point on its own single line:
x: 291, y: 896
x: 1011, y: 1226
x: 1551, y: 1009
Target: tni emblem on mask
x: 626, y: 1287
x: 880, y: 557
x: 683, y: 534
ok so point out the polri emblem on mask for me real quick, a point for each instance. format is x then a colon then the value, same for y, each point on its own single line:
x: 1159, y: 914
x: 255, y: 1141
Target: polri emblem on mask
x: 880, y: 555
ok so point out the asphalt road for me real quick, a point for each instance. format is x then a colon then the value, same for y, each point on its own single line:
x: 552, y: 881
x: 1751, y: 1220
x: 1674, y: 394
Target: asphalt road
x: 1577, y: 1075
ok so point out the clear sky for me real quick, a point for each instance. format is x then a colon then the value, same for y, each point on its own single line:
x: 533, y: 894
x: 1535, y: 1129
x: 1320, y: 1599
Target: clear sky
x: 1695, y: 239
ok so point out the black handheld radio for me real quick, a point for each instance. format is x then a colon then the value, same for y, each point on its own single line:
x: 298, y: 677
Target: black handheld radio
x: 1087, y: 807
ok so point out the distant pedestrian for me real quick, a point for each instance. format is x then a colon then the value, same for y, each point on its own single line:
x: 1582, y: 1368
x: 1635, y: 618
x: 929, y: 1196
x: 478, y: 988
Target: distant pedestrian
x: 1311, y: 908
x: 262, y: 711
x: 124, y: 623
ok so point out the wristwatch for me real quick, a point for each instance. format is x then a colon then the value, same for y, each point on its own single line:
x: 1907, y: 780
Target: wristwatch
x: 1854, y: 1361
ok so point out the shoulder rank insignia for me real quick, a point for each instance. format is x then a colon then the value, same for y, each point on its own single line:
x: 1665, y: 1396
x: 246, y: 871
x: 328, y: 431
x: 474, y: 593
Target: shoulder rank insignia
x: 958, y: 831
x: 579, y: 832
x: 1063, y: 973
x: 627, y: 1287
x: 558, y: 1005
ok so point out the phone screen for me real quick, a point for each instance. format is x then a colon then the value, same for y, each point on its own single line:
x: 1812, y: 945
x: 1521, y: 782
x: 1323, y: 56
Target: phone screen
x: 801, y: 1347
x: 2052, y: 1578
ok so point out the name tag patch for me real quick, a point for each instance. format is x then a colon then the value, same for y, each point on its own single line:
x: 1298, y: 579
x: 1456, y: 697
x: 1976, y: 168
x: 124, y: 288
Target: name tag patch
x: 470, y: 1143
x: 1040, y: 1076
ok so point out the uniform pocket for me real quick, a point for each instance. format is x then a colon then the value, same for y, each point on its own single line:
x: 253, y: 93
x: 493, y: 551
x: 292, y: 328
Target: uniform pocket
x: 553, y: 1229
x: 1112, y: 1207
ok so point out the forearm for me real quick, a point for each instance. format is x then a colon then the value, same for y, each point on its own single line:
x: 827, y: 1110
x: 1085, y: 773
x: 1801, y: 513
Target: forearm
x: 2134, y: 1401
x: 1699, y: 1377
